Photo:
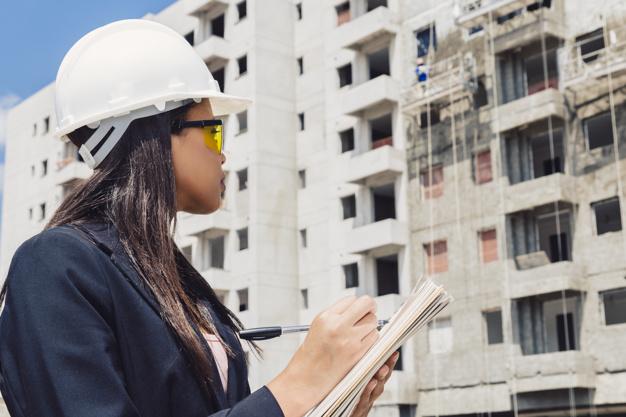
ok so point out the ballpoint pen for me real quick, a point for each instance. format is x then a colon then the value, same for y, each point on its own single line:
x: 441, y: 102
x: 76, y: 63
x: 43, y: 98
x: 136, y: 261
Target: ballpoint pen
x: 264, y: 333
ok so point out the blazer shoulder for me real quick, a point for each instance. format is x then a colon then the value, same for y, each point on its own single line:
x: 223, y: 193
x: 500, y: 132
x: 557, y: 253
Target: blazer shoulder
x: 56, y: 241
x: 53, y: 255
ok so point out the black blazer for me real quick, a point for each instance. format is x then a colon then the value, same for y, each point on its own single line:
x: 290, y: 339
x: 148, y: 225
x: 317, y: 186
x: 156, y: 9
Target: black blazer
x: 81, y: 337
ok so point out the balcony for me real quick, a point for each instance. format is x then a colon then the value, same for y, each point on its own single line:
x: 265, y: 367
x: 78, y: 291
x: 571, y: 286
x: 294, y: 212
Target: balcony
x: 378, y: 23
x: 376, y: 167
x: 198, y: 7
x: 529, y: 109
x: 193, y: 224
x: 527, y: 28
x: 545, y: 278
x: 585, y: 62
x: 380, y: 90
x: 474, y: 13
x: 554, y: 371
x: 219, y: 279
x: 71, y: 169
x: 529, y: 194
x: 214, y: 49
x: 379, y: 238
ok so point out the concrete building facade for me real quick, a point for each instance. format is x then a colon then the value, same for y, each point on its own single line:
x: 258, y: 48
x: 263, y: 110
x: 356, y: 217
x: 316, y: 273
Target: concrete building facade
x: 515, y: 165
x: 393, y: 138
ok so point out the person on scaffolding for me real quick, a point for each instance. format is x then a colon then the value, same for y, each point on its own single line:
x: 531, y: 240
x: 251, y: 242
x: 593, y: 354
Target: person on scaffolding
x: 421, y: 70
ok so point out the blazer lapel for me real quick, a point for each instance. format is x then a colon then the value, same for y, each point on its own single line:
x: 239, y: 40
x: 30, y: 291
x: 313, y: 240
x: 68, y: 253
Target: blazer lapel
x: 106, y: 235
x: 107, y: 240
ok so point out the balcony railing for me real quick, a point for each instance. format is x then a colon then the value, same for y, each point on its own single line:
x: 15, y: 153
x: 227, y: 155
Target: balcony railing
x: 353, y: 34
x: 583, y: 63
x: 376, y: 167
x: 472, y: 13
x: 70, y: 169
x: 529, y: 109
x: 555, y: 370
x: 379, y: 238
x: 198, y: 7
x: 546, y: 277
x: 540, y: 191
x: 371, y: 93
x: 214, y: 49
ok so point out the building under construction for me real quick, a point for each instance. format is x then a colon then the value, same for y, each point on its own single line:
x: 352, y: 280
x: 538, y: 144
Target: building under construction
x: 516, y: 156
x: 480, y: 142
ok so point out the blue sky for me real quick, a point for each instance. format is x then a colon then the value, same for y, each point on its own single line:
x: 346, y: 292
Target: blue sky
x: 35, y: 35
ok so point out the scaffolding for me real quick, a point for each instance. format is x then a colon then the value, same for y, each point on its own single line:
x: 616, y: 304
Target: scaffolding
x: 474, y: 13
x: 548, y: 255
x: 587, y: 62
x: 442, y: 80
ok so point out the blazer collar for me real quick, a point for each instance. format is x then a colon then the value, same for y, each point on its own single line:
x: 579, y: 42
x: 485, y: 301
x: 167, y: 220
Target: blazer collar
x: 107, y: 239
x: 105, y: 236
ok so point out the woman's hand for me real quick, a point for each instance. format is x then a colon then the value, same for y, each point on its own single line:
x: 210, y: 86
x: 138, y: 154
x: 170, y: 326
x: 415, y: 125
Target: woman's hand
x: 375, y: 387
x: 338, y: 337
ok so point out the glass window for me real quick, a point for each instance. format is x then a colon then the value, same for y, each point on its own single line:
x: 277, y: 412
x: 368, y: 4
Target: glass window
x: 493, y: 323
x: 614, y: 306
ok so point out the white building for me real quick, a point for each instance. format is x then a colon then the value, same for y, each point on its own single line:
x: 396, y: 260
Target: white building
x: 330, y: 170
x: 307, y: 175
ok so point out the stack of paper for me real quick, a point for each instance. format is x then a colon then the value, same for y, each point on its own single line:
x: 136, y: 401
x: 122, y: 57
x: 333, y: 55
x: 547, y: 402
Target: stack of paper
x: 422, y: 304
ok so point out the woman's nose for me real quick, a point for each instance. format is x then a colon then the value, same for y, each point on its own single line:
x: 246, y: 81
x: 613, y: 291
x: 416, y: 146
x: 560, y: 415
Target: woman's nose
x: 223, y: 158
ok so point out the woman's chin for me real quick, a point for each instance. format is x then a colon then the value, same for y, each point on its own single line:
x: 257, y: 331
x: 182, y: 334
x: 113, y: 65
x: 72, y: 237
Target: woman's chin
x: 205, y: 209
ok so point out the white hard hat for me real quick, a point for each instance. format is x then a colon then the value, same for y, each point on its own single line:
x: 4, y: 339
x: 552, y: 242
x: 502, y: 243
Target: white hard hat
x: 126, y: 70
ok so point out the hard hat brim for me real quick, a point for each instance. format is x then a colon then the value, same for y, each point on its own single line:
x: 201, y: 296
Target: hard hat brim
x: 224, y: 104
x: 221, y: 105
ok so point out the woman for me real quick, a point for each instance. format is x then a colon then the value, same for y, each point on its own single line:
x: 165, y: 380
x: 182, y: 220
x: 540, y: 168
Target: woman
x: 104, y: 316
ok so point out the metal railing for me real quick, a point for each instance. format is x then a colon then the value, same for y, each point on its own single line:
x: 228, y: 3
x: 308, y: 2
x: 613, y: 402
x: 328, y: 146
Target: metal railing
x: 475, y: 12
x: 593, y: 57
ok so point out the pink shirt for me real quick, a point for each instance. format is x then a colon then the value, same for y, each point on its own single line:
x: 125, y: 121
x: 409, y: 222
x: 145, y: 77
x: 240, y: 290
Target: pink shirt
x: 219, y: 354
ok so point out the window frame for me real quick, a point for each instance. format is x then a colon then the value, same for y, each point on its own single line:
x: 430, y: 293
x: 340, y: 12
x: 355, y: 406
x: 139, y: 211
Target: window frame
x: 585, y: 124
x: 609, y: 200
x: 601, y: 295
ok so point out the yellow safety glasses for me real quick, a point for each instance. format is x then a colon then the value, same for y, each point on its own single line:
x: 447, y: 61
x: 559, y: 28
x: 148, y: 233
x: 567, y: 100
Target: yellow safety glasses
x: 213, y: 131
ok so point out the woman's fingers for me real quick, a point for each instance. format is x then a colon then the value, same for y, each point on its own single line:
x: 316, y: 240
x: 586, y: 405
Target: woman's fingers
x: 376, y: 392
x: 375, y: 387
x: 342, y: 304
x: 361, y: 307
x: 365, y: 402
x: 382, y: 376
x: 369, y: 339
x: 382, y: 373
x: 367, y: 324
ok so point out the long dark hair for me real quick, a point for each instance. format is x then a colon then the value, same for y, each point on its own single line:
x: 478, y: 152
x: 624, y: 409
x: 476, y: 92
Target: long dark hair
x: 135, y: 190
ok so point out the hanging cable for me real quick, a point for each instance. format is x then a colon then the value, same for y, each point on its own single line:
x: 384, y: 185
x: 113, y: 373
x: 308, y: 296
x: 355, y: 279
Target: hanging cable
x: 557, y: 218
x: 499, y: 166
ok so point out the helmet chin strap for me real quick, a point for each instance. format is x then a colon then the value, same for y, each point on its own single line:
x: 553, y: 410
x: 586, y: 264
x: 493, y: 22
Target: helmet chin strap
x: 110, y: 131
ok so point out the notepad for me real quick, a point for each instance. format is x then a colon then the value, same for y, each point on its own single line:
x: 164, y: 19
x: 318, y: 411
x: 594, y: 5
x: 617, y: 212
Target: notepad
x: 424, y: 302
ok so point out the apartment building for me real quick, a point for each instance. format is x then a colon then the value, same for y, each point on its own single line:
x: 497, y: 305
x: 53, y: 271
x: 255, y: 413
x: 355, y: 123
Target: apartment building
x: 479, y: 142
x: 515, y: 161
x: 316, y: 199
